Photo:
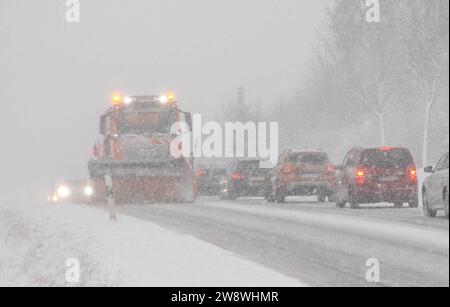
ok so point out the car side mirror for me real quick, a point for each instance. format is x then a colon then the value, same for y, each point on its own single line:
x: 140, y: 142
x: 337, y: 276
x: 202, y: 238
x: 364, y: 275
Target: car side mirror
x: 429, y: 169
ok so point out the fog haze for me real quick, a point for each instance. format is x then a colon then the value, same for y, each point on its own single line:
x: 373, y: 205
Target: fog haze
x: 56, y: 77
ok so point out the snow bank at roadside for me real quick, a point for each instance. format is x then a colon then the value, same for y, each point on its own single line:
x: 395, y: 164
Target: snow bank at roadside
x: 35, y: 243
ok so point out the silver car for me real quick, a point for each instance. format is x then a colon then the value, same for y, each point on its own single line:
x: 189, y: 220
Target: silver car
x: 435, y: 188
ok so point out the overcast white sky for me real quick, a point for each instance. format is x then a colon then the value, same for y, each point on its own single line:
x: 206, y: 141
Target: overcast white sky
x: 56, y: 78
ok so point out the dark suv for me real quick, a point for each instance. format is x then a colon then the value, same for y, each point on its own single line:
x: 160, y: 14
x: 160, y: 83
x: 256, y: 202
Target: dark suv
x: 373, y: 175
x: 301, y: 173
x: 245, y: 178
x: 208, y: 181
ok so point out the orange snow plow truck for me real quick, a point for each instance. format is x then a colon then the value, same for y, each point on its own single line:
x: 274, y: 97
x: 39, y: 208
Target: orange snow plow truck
x: 134, y: 151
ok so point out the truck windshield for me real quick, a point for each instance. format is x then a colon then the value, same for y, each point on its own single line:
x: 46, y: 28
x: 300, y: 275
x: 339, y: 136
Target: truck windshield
x: 147, y: 123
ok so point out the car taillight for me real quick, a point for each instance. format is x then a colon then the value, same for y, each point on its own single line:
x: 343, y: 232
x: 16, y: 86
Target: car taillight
x: 361, y: 176
x: 412, y: 174
x: 287, y: 169
x: 237, y: 177
x: 386, y: 149
x: 330, y: 168
x: 201, y: 174
x: 96, y: 152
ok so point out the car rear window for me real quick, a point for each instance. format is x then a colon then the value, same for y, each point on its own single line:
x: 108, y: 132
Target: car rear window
x: 387, y: 158
x: 217, y: 172
x: 248, y: 165
x: 309, y: 158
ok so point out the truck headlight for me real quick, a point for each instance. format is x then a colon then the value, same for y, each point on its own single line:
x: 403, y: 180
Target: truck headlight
x: 163, y: 99
x: 63, y: 191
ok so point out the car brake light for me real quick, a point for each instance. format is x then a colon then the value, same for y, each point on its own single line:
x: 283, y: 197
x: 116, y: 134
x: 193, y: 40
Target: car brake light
x: 412, y: 173
x: 237, y: 177
x: 360, y: 176
x: 385, y: 149
x: 287, y: 169
x: 201, y: 173
x: 330, y: 168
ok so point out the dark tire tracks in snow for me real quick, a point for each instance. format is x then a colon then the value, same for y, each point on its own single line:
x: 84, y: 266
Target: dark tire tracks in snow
x: 316, y: 253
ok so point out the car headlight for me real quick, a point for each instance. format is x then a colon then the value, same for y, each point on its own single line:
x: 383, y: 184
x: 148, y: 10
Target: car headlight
x: 63, y: 192
x: 88, y: 191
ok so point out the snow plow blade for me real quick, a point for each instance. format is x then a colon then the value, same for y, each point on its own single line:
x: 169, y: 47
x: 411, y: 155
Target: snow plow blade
x: 143, y: 182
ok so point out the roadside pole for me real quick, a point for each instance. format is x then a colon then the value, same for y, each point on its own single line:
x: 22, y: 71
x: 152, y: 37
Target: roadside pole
x: 110, y: 197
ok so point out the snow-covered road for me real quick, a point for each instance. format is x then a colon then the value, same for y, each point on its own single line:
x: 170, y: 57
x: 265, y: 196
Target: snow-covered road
x: 245, y: 242
x: 317, y: 243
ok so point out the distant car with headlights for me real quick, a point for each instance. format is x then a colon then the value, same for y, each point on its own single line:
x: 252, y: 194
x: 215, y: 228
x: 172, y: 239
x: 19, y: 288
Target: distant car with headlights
x: 244, y: 178
x: 75, y: 191
x: 208, y: 181
x: 375, y: 175
x: 301, y: 173
x: 435, y: 188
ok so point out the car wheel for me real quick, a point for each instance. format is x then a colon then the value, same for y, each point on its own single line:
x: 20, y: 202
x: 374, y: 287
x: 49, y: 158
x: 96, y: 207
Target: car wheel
x: 354, y: 205
x: 227, y: 195
x: 269, y: 197
x: 446, y: 203
x: 321, y: 198
x: 340, y: 199
x: 341, y: 204
x: 354, y: 202
x: 222, y: 195
x: 414, y: 204
x: 232, y: 196
x: 398, y: 204
x: 427, y: 211
x: 268, y: 194
x: 280, y: 197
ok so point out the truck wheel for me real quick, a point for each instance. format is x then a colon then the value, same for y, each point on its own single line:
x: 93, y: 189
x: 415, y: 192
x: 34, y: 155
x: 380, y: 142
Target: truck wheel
x: 427, y: 211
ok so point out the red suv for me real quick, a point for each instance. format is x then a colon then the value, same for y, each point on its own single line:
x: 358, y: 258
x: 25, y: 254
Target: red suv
x: 373, y: 175
x: 301, y: 173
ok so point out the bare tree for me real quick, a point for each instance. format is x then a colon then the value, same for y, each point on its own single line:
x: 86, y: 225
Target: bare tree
x: 367, y: 57
x: 426, y: 39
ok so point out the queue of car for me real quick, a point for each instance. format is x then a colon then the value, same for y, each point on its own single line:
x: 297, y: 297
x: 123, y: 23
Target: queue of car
x: 366, y: 176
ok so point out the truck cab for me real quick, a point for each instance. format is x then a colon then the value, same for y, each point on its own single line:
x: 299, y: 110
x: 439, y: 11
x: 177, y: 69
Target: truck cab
x: 135, y: 151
